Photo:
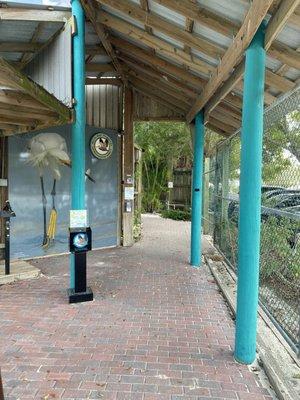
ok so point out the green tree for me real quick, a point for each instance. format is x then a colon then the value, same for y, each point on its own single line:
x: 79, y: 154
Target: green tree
x: 163, y: 144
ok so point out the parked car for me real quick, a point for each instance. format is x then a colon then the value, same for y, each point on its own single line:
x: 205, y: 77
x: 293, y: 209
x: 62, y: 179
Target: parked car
x: 275, y: 201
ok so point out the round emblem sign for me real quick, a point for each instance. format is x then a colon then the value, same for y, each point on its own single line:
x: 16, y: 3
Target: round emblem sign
x: 80, y: 240
x: 101, y: 146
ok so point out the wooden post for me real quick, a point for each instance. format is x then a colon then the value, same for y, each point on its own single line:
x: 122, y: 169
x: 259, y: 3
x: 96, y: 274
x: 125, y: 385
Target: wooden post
x: 3, y: 186
x: 206, y: 196
x: 128, y: 170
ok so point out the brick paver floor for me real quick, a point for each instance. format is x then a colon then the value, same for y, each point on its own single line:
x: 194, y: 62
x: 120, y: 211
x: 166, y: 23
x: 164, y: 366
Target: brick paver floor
x: 158, y: 329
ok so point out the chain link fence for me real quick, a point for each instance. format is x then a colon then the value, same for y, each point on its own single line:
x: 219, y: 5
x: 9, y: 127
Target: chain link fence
x: 280, y: 213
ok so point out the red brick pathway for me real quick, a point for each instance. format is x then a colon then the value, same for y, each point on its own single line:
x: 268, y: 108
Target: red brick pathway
x: 157, y: 329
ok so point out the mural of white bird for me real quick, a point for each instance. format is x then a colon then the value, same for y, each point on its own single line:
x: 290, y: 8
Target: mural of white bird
x: 48, y: 151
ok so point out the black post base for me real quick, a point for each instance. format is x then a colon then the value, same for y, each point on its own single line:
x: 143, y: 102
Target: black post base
x: 80, y: 297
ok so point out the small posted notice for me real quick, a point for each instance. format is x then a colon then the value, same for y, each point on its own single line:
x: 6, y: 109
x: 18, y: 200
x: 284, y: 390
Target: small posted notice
x: 129, y: 193
x: 78, y: 219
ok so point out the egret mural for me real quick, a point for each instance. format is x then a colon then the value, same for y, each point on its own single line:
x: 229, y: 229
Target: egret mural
x: 48, y: 152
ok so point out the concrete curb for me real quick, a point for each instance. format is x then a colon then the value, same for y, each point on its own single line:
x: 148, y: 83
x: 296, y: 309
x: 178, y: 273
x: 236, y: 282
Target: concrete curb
x: 282, y: 370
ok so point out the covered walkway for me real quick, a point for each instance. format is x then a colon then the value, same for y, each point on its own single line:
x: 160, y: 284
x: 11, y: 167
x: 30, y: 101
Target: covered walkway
x: 157, y: 329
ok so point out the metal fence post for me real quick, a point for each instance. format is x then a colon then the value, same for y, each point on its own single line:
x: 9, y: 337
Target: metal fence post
x: 250, y: 201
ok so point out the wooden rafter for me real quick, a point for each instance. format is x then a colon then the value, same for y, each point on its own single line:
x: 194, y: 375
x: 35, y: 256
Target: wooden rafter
x: 237, y: 75
x: 159, y: 45
x: 103, y: 81
x: 91, y: 12
x: 148, y: 92
x: 156, y: 22
x: 19, y: 47
x: 278, y: 20
x: 96, y: 67
x: 16, y: 79
x: 161, y: 87
x: 233, y: 55
x: 151, y: 72
x: 165, y: 66
x: 26, y: 14
x: 228, y: 28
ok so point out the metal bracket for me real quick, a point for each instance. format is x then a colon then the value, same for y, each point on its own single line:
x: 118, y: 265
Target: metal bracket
x: 74, y: 30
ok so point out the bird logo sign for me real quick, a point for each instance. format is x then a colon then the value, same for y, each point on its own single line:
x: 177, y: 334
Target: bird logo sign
x: 48, y: 152
x: 101, y: 146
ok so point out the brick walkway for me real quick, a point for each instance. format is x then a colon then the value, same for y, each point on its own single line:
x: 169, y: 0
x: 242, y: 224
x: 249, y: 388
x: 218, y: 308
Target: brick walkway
x: 157, y: 329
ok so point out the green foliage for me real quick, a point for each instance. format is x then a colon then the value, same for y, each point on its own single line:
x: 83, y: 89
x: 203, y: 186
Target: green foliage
x: 137, y: 226
x: 163, y: 143
x: 177, y: 215
x: 277, y: 254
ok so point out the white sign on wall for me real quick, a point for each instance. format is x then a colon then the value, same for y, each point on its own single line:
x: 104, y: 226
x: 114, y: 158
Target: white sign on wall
x: 78, y: 219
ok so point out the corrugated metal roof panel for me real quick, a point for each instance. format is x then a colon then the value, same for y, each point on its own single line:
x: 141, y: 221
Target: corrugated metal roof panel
x: 170, y: 15
x: 123, y: 16
x: 52, y: 67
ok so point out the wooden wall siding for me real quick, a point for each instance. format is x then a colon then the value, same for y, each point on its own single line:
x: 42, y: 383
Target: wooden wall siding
x: 52, y: 68
x: 181, y: 192
x: 104, y: 106
x: 146, y: 109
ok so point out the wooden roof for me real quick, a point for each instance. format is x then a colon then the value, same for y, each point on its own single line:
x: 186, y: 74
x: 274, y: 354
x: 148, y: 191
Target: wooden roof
x: 189, y: 54
x: 24, y: 105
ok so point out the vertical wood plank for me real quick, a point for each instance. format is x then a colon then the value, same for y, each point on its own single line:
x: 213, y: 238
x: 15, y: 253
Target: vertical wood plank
x: 128, y: 168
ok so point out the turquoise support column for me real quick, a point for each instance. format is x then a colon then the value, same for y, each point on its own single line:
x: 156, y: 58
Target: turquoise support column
x: 196, y: 251
x: 250, y: 200
x: 78, y: 127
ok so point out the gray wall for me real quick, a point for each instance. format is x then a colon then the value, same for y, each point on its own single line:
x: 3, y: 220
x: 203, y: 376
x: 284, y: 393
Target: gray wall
x: 52, y: 67
x: 25, y: 197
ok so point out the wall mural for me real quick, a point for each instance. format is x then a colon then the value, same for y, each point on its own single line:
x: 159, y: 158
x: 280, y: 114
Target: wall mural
x: 39, y: 191
x: 48, y: 152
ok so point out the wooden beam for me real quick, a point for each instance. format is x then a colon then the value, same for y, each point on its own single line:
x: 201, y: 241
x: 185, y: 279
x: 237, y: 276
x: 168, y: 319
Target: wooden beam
x: 278, y: 82
x: 217, y: 130
x: 95, y: 50
x: 224, y: 26
x: 96, y: 67
x: 181, y: 100
x: 128, y: 168
x: 162, y: 25
x: 19, y: 47
x: 28, y: 57
x: 21, y: 111
x: 193, y: 10
x: 23, y: 83
x: 15, y: 98
x: 234, y: 54
x: 217, y: 114
x: 103, y: 81
x: 157, y: 62
x: 159, y: 45
x: 285, y: 54
x: 91, y: 12
x: 279, y: 19
x: 36, y: 34
x: 221, y: 125
x: 167, y: 97
x: 30, y: 14
x: 25, y: 117
x: 148, y: 91
x: 143, y: 68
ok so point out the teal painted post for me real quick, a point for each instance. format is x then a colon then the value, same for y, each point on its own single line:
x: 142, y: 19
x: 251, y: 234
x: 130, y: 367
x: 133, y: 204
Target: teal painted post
x: 78, y: 127
x: 196, y: 250
x: 250, y: 200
